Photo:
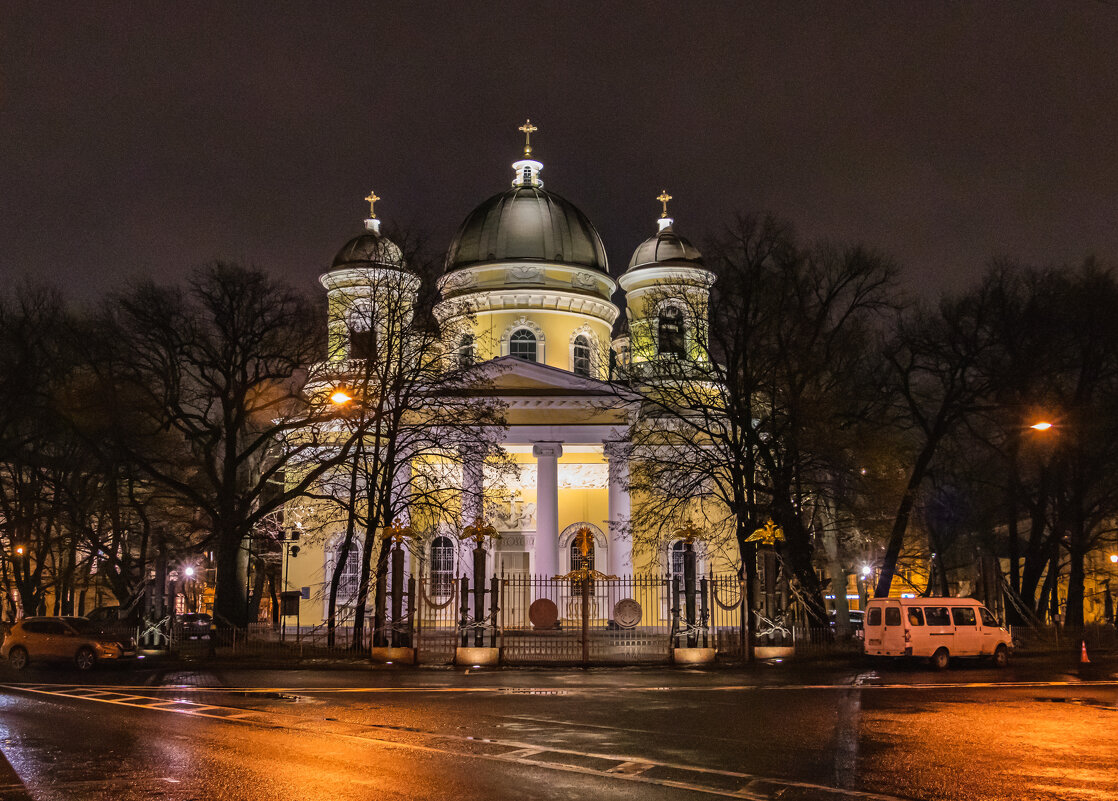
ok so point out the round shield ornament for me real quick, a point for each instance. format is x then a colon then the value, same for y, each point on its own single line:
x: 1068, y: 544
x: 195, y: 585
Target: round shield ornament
x: 543, y: 613
x: 627, y: 613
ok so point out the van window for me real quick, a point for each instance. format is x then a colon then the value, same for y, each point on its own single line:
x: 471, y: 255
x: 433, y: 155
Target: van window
x: 937, y: 615
x: 873, y: 618
x: 988, y: 619
x: 963, y: 615
x: 892, y: 616
x: 915, y: 616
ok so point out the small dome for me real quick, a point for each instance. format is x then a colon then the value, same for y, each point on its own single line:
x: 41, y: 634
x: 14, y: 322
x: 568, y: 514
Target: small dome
x: 526, y: 223
x: 369, y: 248
x: 664, y: 246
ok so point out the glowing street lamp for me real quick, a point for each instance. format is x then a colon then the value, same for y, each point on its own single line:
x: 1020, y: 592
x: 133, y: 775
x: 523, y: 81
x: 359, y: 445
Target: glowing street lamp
x: 340, y: 398
x: 1114, y: 558
x: 1042, y: 425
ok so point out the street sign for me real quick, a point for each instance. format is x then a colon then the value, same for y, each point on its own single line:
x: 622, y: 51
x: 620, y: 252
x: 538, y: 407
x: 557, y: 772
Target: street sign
x: 289, y: 602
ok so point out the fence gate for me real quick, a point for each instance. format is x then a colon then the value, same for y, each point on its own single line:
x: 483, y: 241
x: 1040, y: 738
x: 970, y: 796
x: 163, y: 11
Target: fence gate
x: 572, y: 621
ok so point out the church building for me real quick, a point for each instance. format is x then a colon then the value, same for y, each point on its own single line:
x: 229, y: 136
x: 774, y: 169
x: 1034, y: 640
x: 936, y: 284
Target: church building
x: 531, y: 270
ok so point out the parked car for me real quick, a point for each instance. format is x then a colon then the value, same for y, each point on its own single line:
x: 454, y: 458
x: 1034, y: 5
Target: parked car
x: 115, y: 622
x: 196, y: 625
x: 61, y: 639
x: 857, y: 618
x: 937, y: 629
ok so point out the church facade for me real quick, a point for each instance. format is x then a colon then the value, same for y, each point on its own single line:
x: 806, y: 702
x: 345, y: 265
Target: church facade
x: 527, y: 292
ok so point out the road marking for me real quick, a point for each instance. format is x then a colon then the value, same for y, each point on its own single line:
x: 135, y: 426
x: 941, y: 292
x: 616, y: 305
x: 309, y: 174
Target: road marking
x: 594, y: 690
x: 522, y: 753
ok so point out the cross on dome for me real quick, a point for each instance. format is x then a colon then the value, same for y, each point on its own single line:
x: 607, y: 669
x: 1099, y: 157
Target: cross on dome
x: 371, y: 222
x: 372, y: 201
x: 664, y: 220
x: 664, y: 197
x: 528, y: 128
x: 527, y: 170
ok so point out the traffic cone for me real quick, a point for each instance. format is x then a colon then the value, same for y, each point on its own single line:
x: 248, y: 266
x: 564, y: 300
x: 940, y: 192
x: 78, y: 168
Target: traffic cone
x: 1083, y: 659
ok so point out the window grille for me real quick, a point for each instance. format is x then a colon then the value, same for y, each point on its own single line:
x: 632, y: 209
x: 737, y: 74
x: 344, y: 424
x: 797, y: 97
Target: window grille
x: 522, y: 345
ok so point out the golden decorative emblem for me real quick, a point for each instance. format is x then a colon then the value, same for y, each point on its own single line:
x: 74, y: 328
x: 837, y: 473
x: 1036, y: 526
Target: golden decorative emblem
x: 585, y: 541
x: 478, y: 531
x: 688, y: 533
x: 372, y: 201
x: 397, y: 532
x: 768, y: 534
x: 664, y: 197
x: 528, y: 128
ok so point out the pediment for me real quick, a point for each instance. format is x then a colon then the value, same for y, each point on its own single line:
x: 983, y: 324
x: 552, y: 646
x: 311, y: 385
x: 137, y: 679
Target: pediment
x: 508, y: 375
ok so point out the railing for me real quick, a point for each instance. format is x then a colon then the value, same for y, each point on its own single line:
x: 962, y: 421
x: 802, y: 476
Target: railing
x: 553, y: 620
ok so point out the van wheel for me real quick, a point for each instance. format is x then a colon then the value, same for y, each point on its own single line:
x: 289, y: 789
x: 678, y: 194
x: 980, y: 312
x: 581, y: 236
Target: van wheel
x: 17, y: 658
x: 1001, y: 656
x: 940, y: 659
x: 85, y: 658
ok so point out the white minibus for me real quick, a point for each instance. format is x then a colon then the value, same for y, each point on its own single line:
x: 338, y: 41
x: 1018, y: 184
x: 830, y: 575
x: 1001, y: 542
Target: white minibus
x: 936, y: 629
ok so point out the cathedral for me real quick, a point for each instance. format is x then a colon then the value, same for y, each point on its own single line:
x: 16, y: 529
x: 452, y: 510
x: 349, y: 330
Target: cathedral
x: 531, y: 269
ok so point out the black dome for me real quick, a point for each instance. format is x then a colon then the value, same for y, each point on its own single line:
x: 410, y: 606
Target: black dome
x: 526, y: 223
x: 664, y: 246
x: 369, y: 248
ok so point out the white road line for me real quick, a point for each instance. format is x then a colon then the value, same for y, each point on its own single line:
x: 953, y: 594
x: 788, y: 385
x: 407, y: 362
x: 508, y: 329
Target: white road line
x: 521, y: 753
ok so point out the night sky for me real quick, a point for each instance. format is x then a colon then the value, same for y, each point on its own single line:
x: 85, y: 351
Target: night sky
x: 145, y: 139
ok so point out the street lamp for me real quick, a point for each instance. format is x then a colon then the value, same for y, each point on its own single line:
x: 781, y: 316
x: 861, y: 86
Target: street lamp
x: 1041, y: 425
x: 340, y: 397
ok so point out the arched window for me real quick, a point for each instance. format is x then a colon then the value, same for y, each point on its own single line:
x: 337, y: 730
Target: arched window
x: 442, y: 567
x: 522, y: 344
x: 351, y: 572
x: 580, y: 356
x: 527, y: 175
x: 676, y: 554
x: 578, y: 561
x: 466, y: 351
x: 671, y: 332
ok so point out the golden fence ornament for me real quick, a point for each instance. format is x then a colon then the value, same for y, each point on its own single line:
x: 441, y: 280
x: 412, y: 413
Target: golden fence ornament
x: 688, y: 533
x: 397, y: 532
x: 478, y: 531
x: 769, y: 534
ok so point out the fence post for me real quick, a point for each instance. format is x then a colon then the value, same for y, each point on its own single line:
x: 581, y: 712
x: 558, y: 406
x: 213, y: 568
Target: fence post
x: 689, y: 590
x: 464, y: 604
x: 397, y: 594
x: 703, y: 586
x: 494, y: 608
x: 409, y: 626
x: 674, y: 590
x: 586, y: 620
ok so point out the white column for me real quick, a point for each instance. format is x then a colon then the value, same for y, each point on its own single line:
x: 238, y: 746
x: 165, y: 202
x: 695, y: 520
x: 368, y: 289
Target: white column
x: 401, y: 489
x: 473, y: 486
x: 547, y: 506
x: 620, y: 555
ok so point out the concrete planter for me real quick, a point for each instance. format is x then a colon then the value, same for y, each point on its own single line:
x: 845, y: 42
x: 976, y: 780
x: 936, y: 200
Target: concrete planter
x: 774, y: 651
x: 398, y: 656
x: 477, y: 656
x: 692, y: 656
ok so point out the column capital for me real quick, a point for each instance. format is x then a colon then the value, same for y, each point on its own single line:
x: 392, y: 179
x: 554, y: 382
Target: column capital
x: 616, y: 449
x: 547, y: 449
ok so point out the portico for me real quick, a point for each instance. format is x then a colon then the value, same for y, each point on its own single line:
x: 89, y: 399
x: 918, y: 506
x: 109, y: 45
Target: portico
x: 571, y: 471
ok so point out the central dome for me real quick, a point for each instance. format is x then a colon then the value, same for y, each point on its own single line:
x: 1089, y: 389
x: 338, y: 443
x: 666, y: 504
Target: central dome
x: 526, y: 223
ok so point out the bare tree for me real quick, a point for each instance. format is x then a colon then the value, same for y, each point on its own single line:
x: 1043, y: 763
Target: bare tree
x: 758, y: 419
x: 215, y: 373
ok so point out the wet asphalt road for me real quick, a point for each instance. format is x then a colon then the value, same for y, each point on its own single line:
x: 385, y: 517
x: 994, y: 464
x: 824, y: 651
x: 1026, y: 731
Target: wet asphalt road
x: 1036, y: 731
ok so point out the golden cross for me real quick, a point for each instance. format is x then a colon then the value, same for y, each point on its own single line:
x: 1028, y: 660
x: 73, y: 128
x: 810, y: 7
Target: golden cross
x: 372, y: 200
x: 528, y: 128
x: 664, y: 197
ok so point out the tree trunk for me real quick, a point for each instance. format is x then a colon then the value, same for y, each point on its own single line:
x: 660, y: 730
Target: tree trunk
x: 230, y: 605
x: 900, y: 522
